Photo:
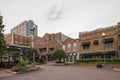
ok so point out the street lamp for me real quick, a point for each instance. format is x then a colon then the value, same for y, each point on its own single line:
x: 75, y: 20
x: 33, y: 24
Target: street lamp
x: 21, y: 54
x: 33, y: 31
x: 103, y: 35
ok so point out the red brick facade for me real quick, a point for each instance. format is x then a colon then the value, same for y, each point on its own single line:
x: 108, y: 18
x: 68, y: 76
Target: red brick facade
x: 50, y: 43
x: 70, y: 46
x: 17, y: 39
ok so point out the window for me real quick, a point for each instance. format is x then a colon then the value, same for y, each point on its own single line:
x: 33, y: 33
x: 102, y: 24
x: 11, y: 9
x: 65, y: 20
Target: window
x: 43, y: 50
x: 96, y: 42
x: 68, y: 47
x: 74, y: 47
x: 63, y: 47
x: 108, y: 42
x: 5, y: 58
x: 86, y: 47
x: 46, y: 39
x: 108, y: 45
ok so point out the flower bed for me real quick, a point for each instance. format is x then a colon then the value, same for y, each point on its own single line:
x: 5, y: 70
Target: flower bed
x: 15, y: 70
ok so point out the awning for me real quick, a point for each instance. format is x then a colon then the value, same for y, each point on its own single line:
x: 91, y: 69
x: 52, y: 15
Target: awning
x: 108, y: 52
x: 108, y: 40
x: 86, y: 43
x: 90, y: 53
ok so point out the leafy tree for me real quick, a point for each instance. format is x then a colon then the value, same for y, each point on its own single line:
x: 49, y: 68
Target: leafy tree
x: 28, y: 54
x: 16, y: 55
x: 2, y: 41
x: 59, y: 54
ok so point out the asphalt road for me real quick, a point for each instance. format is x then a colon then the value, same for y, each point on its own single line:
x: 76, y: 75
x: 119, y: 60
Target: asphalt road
x: 49, y: 72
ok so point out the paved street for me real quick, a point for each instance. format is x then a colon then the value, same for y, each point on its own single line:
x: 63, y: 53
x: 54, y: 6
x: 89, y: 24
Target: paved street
x: 50, y: 72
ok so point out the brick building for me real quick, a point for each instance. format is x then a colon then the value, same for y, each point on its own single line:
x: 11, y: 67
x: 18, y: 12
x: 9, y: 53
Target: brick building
x: 50, y: 43
x: 13, y: 38
x: 70, y: 46
x: 93, y: 44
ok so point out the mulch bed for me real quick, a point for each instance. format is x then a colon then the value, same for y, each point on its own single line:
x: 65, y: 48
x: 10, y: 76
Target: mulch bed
x: 26, y: 71
x: 94, y: 65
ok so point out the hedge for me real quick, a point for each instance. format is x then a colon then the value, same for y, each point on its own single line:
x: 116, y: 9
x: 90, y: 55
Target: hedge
x: 95, y: 60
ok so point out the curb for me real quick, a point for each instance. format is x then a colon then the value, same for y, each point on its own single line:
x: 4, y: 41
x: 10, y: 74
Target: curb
x: 22, y: 72
x: 19, y: 74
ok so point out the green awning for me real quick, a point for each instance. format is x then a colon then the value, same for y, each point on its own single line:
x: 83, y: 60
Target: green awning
x: 86, y: 43
x: 91, y: 53
x: 110, y: 52
x: 108, y: 40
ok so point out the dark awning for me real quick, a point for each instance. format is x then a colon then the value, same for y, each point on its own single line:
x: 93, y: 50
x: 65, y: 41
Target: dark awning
x: 111, y: 52
x: 86, y: 43
x: 108, y: 40
x: 90, y: 53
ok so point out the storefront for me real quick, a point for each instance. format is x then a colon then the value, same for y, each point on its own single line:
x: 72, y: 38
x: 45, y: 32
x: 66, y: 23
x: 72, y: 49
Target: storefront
x: 108, y: 54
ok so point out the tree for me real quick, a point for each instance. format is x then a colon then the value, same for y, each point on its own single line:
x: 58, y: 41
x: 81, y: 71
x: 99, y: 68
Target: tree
x: 59, y: 54
x: 2, y: 41
x: 15, y: 55
x: 28, y: 54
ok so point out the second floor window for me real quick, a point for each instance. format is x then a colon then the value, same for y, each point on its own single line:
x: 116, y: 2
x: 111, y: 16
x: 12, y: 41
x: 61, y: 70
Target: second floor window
x: 63, y: 47
x: 108, y: 42
x: 68, y: 47
x: 108, y: 45
x: 86, y: 47
x: 74, y: 47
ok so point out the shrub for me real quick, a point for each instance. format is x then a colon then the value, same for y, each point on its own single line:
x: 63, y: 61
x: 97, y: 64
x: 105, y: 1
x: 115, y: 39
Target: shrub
x: 41, y: 61
x: 58, y: 54
x: 22, y: 66
x: 96, y: 60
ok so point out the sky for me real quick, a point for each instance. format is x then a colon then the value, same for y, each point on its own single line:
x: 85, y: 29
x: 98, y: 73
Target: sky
x: 67, y: 16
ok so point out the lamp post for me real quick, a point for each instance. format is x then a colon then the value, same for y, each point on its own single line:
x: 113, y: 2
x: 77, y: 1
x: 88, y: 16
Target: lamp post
x: 33, y: 31
x: 8, y: 55
x: 21, y: 54
x: 103, y: 35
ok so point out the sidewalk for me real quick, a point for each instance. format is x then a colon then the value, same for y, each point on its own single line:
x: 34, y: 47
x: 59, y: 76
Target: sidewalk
x: 3, y: 73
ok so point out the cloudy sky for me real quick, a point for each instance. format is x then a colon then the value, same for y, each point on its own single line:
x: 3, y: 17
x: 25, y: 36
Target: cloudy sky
x: 67, y: 16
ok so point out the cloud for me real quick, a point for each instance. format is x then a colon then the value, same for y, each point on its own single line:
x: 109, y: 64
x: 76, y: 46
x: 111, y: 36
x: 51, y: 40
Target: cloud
x: 54, y: 13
